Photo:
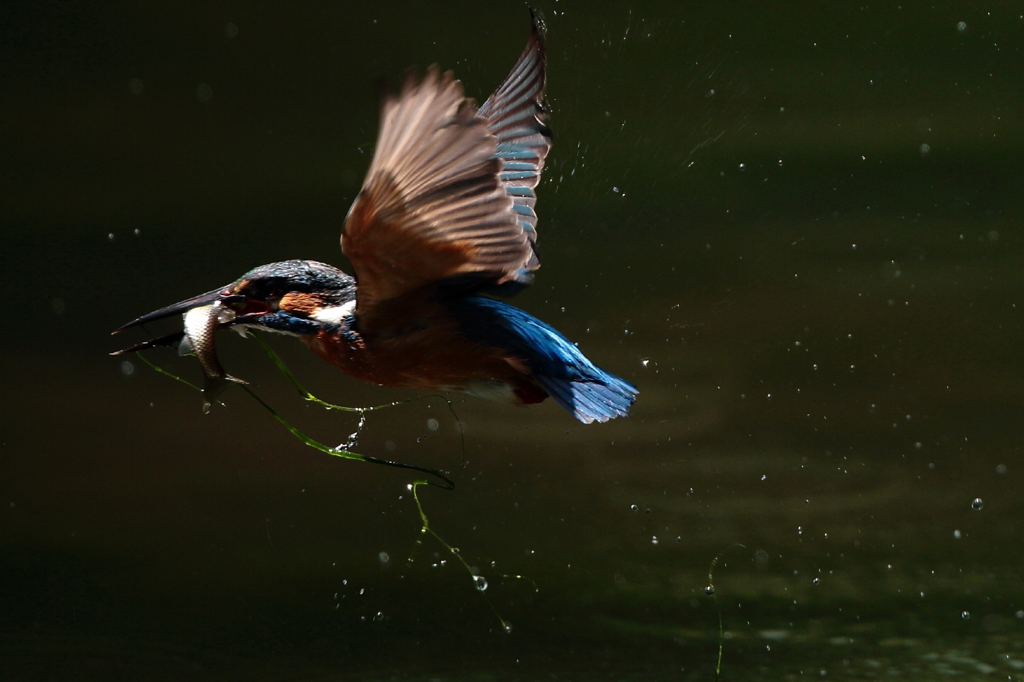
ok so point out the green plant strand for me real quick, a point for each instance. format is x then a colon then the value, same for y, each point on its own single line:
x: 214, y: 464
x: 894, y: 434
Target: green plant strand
x: 710, y: 591
x: 161, y: 370
x: 306, y: 395
x: 448, y: 484
x: 478, y: 581
x: 425, y: 529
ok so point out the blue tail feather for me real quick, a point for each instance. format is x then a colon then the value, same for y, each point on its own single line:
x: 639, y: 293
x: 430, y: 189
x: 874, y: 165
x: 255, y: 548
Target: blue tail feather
x: 584, y: 390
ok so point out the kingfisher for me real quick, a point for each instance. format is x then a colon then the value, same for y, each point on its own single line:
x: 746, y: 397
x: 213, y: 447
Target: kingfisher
x: 442, y: 229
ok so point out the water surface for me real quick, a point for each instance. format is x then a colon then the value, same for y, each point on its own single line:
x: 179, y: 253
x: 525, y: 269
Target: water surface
x: 797, y: 231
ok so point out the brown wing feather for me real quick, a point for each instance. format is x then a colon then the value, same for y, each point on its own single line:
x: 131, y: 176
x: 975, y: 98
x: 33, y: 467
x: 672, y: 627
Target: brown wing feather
x: 432, y: 206
x: 516, y: 115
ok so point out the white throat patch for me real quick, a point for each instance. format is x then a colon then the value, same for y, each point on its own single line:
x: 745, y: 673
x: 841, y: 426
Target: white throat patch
x: 335, y: 314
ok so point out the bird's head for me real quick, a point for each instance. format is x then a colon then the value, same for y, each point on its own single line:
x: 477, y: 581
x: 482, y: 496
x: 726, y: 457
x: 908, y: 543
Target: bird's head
x: 297, y: 297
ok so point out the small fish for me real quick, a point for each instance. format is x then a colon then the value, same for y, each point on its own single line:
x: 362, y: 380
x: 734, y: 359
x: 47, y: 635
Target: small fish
x: 200, y: 327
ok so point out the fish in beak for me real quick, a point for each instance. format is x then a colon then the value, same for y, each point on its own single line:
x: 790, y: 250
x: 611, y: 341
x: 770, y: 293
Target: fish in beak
x: 203, y: 316
x: 297, y: 297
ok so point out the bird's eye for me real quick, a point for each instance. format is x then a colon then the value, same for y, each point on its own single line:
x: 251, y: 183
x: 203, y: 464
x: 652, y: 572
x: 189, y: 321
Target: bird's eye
x: 269, y: 290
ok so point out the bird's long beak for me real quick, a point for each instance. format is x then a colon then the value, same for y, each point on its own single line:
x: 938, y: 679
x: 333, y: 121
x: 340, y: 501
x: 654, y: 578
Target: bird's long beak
x: 171, y: 339
x: 221, y: 294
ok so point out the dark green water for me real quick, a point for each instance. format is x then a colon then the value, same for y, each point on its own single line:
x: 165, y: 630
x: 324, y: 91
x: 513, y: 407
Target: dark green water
x: 797, y: 229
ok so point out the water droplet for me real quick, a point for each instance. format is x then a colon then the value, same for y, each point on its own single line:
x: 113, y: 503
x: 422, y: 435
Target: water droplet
x: 1001, y: 469
x: 815, y: 581
x: 961, y: 26
x: 433, y: 425
x: 379, y: 616
x: 709, y: 590
x: 353, y: 438
x: 925, y: 149
x: 965, y: 614
x: 230, y: 30
x: 634, y: 507
x: 507, y: 627
x: 654, y: 539
x: 384, y: 558
x: 127, y: 368
x: 956, y: 534
x: 977, y: 504
x: 480, y: 582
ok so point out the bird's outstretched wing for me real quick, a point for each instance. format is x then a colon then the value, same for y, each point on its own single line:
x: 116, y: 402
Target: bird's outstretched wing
x: 449, y: 193
x: 516, y: 115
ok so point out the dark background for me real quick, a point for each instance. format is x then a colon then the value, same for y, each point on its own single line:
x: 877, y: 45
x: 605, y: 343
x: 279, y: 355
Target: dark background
x: 797, y: 228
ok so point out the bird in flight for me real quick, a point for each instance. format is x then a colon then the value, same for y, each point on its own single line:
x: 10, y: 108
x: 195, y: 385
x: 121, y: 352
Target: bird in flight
x: 444, y: 226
